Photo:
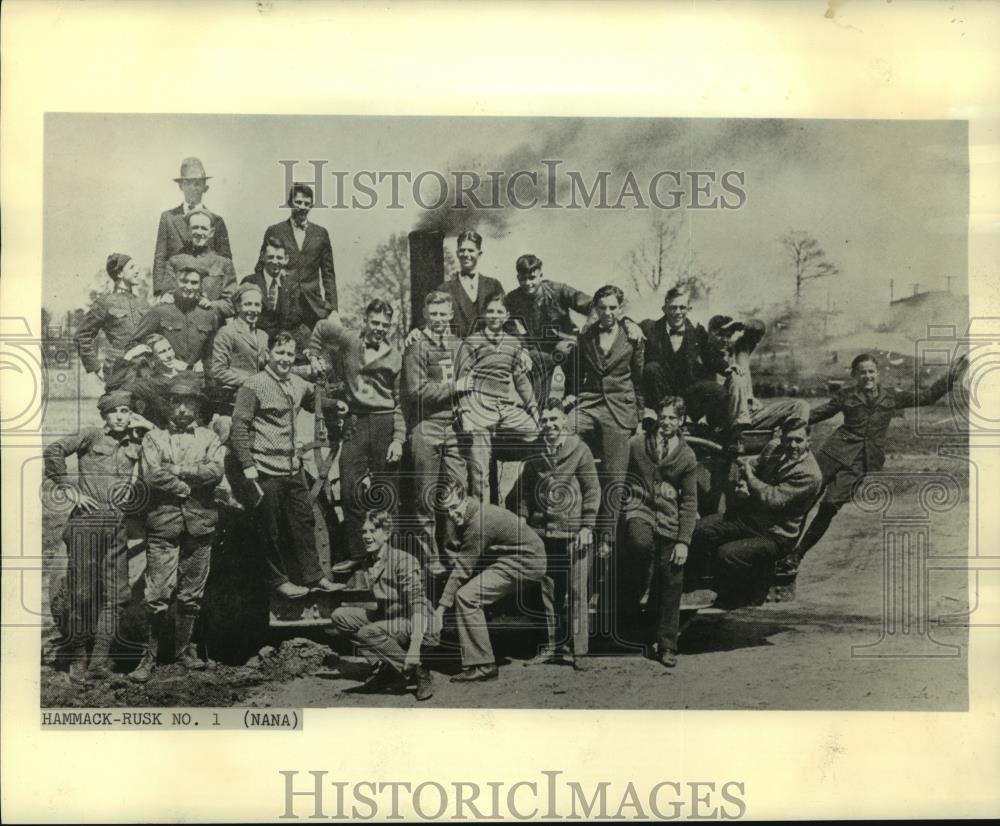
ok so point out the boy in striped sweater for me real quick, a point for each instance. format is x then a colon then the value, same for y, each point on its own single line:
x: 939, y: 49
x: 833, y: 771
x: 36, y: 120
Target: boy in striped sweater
x: 264, y: 439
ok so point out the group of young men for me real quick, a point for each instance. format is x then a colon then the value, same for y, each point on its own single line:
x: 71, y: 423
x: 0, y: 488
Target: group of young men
x: 201, y: 410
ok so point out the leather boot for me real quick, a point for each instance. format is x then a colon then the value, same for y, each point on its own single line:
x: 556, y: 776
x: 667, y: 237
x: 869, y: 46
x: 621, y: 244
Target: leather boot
x: 425, y: 683
x: 144, y: 670
x: 100, y: 660
x: 78, y: 667
x: 185, y: 651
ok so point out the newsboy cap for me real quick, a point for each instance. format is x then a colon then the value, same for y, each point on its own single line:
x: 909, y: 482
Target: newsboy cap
x: 116, y: 398
x: 242, y: 290
x: 116, y: 263
x: 192, y: 170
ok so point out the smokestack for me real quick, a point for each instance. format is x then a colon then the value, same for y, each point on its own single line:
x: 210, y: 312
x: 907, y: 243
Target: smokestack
x: 426, y: 268
x: 916, y: 289
x: 892, y: 285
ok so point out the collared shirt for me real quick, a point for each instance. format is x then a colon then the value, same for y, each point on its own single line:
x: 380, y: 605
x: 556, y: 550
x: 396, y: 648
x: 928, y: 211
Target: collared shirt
x: 553, y: 448
x: 369, y: 353
x: 189, y: 208
x: 106, y: 463
x: 398, y: 586
x: 117, y: 314
x: 273, y: 280
x: 182, y: 469
x: 299, y: 232
x: 675, y: 337
x: 238, y: 352
x: 470, y: 283
x: 371, y: 378
x: 188, y: 327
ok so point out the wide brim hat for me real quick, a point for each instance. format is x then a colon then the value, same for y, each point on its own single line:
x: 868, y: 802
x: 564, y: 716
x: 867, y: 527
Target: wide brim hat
x: 192, y: 169
x: 187, y: 385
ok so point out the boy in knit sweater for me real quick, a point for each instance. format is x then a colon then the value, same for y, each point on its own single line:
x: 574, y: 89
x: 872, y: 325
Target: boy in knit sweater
x: 558, y: 495
x: 662, y: 475
x: 497, y: 369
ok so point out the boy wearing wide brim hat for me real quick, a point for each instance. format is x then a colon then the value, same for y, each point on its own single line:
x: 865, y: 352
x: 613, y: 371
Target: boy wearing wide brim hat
x: 181, y: 466
x: 103, y: 493
x: 174, y: 234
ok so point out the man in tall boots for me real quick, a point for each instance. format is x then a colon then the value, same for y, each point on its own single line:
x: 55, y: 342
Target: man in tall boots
x: 181, y: 466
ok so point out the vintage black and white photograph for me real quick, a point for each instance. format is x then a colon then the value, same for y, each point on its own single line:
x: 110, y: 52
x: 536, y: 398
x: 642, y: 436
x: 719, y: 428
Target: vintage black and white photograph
x: 480, y: 412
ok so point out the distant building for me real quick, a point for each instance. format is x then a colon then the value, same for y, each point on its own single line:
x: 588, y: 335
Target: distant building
x: 911, y: 316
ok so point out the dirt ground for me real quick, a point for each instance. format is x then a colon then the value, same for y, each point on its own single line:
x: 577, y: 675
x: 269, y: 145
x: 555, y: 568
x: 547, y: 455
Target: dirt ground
x: 789, y: 655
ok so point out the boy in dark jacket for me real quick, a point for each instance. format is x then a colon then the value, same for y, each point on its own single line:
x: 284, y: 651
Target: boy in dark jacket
x: 96, y: 539
x: 857, y: 447
x: 662, y: 475
x: 558, y: 495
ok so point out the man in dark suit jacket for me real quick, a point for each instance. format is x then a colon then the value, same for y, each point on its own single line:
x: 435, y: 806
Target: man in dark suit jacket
x: 681, y: 360
x: 282, y: 300
x: 604, y: 378
x: 310, y: 255
x: 173, y: 234
x: 469, y: 290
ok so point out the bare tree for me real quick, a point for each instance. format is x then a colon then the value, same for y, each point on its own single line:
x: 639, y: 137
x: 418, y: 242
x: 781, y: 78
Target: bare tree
x: 662, y: 260
x: 808, y: 259
x: 387, y: 276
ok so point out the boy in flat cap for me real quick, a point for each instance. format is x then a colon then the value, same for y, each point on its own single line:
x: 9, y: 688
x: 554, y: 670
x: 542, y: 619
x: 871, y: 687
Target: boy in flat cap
x: 174, y: 232
x: 102, y: 493
x: 181, y: 466
x: 117, y: 314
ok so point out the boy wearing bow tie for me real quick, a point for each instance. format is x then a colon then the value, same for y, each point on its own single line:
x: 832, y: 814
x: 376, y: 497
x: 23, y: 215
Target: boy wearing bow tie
x: 370, y: 368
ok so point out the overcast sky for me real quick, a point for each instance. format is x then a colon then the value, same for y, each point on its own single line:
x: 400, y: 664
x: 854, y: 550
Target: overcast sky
x: 886, y: 199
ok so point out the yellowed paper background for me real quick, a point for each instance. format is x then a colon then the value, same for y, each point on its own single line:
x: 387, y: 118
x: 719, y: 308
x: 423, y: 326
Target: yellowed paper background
x: 747, y: 59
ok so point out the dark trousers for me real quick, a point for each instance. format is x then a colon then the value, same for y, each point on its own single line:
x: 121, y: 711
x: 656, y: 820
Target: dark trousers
x: 362, y: 454
x: 608, y: 441
x: 287, y: 526
x: 651, y: 552
x: 97, y: 588
x: 564, y: 596
x: 814, y: 533
x: 704, y: 397
x: 738, y: 554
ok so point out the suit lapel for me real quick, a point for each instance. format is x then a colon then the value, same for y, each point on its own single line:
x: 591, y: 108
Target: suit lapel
x: 467, y: 308
x: 290, y: 236
x: 180, y: 225
x: 592, y: 351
